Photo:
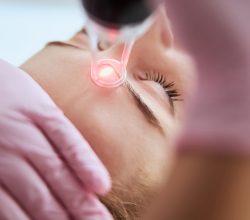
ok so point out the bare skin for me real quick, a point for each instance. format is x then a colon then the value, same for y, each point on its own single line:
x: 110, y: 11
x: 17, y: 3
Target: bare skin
x: 134, y: 142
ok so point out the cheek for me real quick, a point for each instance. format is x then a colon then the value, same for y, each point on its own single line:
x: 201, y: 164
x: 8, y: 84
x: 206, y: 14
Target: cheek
x: 126, y: 149
x: 119, y: 135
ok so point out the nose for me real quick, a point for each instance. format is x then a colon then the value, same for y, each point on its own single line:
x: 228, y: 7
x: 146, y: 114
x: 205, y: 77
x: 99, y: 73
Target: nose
x: 165, y: 30
x: 160, y: 31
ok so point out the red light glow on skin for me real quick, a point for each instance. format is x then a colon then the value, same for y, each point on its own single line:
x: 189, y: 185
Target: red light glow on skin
x: 113, y: 34
x: 107, y: 73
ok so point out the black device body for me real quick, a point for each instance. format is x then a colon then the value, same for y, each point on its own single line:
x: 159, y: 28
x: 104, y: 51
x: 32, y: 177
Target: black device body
x: 117, y: 13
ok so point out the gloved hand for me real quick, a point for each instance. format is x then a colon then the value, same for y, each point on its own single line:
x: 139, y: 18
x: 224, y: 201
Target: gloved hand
x: 47, y: 170
x: 216, y: 34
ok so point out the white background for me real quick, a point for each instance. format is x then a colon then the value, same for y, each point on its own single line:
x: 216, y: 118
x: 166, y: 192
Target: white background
x: 27, y: 25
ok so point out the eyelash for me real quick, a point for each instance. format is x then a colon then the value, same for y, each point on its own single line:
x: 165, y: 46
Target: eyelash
x: 167, y: 87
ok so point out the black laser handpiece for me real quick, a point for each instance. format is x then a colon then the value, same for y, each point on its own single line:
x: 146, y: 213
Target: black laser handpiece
x: 117, y: 13
x: 114, y: 22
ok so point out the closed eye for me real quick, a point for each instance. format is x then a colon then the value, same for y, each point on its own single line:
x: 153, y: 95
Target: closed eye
x: 147, y: 112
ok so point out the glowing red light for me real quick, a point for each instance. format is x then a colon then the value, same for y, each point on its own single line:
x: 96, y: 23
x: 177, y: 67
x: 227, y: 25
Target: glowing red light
x: 107, y: 73
x: 113, y: 34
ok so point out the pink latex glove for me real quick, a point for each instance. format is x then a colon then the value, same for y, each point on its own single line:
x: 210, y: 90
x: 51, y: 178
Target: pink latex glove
x: 217, y: 34
x: 47, y: 170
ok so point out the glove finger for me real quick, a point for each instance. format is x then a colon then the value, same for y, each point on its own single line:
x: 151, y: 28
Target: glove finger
x: 9, y: 209
x: 31, y: 143
x: 70, y: 144
x: 37, y: 105
x: 80, y: 203
x: 30, y: 192
x: 93, y: 201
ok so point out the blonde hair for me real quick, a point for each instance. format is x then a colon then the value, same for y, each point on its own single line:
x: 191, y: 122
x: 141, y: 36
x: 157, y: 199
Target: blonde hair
x: 127, y: 202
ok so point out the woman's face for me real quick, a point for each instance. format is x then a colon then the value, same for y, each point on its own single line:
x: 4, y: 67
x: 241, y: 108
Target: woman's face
x: 130, y: 127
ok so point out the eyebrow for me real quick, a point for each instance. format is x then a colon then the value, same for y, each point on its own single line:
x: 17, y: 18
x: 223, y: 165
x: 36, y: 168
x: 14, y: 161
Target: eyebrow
x: 147, y: 112
x: 64, y: 44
